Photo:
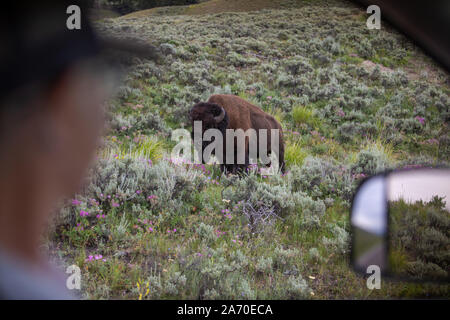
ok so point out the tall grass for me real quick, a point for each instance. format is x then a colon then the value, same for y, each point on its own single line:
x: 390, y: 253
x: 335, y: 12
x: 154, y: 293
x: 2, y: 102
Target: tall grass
x: 294, y: 155
x: 149, y: 148
x: 382, y: 146
x: 303, y: 114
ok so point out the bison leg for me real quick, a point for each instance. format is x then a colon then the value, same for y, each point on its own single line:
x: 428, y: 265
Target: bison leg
x: 243, y: 168
x: 282, y: 167
x: 281, y: 158
x: 226, y: 168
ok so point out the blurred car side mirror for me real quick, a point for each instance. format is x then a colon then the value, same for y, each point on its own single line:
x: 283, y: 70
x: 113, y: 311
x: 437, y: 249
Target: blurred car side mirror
x: 401, y: 223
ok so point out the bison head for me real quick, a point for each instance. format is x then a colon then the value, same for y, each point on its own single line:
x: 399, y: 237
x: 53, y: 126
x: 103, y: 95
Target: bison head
x: 211, y: 115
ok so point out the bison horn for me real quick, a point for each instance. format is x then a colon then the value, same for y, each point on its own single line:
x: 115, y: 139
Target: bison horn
x: 220, y: 117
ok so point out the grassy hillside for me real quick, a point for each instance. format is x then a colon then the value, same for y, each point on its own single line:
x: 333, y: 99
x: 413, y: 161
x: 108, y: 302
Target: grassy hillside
x: 351, y: 104
x: 219, y: 6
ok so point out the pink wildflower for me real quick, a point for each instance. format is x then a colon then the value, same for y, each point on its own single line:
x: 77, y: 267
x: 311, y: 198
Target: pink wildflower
x: 420, y: 119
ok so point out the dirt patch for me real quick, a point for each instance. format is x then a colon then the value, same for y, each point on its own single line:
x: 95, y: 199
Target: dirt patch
x: 419, y: 67
x: 369, y: 66
x: 423, y: 67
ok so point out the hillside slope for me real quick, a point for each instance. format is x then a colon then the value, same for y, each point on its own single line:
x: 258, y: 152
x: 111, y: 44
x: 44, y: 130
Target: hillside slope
x: 219, y: 6
x: 349, y: 107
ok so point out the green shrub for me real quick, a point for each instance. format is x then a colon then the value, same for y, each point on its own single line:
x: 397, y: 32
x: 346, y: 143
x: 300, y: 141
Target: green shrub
x: 298, y: 288
x: 322, y: 179
x: 264, y: 265
x: 375, y: 157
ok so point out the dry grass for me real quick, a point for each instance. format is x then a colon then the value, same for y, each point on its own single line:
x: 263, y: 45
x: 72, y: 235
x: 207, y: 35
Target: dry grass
x: 218, y: 6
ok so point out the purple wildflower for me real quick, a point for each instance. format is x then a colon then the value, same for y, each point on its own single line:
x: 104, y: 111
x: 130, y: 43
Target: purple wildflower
x: 420, y: 119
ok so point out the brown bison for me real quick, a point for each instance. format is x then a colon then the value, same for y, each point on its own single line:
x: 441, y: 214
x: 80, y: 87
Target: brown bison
x: 232, y: 112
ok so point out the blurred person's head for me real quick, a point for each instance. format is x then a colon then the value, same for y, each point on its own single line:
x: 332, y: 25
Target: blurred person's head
x: 51, y: 95
x: 53, y: 84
